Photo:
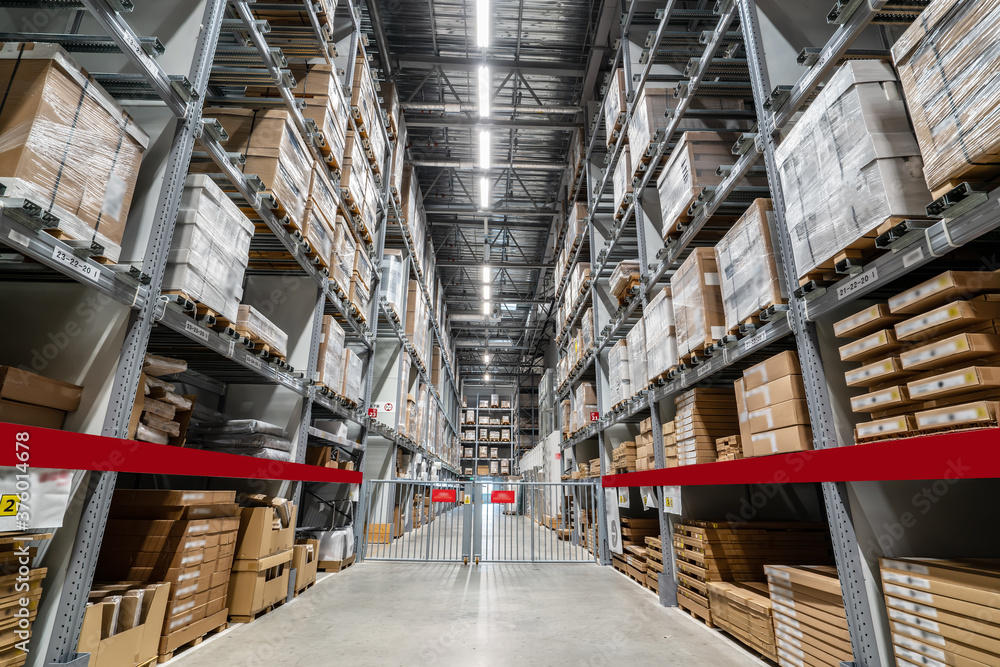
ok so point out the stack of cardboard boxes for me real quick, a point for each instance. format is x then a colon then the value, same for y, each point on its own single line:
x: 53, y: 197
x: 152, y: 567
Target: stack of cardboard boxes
x: 703, y: 415
x: 743, y: 609
x: 942, y: 611
x: 699, y: 319
x: 774, y: 417
x: 644, y: 457
x: 635, y: 530
x: 654, y: 562
x: 121, y: 626
x: 670, y: 454
x: 184, y: 538
x: 810, y: 622
x: 623, y: 458
x: 34, y: 400
x: 264, y: 553
x: 729, y: 448
x: 929, y: 358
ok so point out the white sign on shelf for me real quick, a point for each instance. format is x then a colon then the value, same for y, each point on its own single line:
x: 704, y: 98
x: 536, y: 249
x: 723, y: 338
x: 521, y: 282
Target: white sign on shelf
x: 197, y: 331
x: 612, y: 521
x: 753, y: 341
x: 648, y: 498
x: 81, y: 266
x: 623, y: 495
x: 848, y: 287
x: 672, y: 500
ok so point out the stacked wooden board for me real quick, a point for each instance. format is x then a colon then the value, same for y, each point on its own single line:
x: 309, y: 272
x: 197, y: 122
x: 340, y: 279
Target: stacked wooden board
x: 654, y: 563
x: 703, y: 416
x: 810, y: 622
x: 744, y: 610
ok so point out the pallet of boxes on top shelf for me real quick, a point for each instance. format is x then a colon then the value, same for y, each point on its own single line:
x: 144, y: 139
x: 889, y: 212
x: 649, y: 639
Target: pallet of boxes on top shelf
x: 693, y: 167
x: 636, y: 345
x: 576, y: 234
x: 928, y: 358
x: 835, y: 208
x: 623, y: 458
x: 67, y: 147
x: 184, y: 538
x: 358, y: 190
x: 942, y: 611
x: 291, y: 28
x: 619, y: 375
x: 396, y: 130
x: 702, y: 416
x: 366, y: 110
x: 615, y: 106
x: 958, y: 141
x: 660, y: 333
x: 622, y: 183
x: 624, y: 281
x: 699, y: 317
x: 276, y: 154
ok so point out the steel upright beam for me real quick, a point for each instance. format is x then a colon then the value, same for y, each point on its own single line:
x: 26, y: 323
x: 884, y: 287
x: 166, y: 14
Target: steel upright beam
x: 845, y: 542
x: 97, y: 502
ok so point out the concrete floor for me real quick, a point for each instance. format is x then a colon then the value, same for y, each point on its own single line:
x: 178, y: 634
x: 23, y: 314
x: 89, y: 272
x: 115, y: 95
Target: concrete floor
x: 384, y: 613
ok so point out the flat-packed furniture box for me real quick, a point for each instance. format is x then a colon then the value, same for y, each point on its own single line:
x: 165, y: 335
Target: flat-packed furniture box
x: 69, y: 142
x: 697, y: 303
x: 620, y: 379
x: 361, y: 281
x: 274, y: 151
x: 257, y: 584
x: 209, y: 250
x: 749, y: 267
x: 810, y: 622
x: 264, y: 551
x: 691, y: 168
x: 945, y: 610
x: 850, y: 164
x: 949, y: 55
x: 265, y: 335
x: 20, y: 595
x: 35, y: 400
x: 622, y: 182
x: 776, y: 417
x: 352, y: 366
x: 122, y: 624
x: 743, y: 609
x: 344, y: 245
x: 702, y: 416
x: 637, y: 361
x: 331, y: 354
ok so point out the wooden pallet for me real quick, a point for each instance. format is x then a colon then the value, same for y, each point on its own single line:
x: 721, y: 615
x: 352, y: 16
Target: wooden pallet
x: 336, y: 565
x: 623, y: 207
x: 256, y: 344
x: 626, y: 296
x: 249, y: 618
x: 163, y: 657
x: 202, y: 313
x: 302, y: 590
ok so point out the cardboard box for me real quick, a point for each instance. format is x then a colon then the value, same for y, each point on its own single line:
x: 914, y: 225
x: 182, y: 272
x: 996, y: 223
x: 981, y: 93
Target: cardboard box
x: 961, y: 381
x: 875, y: 373
x: 978, y: 412
x: 867, y: 321
x: 871, y: 346
x: 258, y: 583
x: 258, y: 536
x: 779, y: 415
x: 778, y: 366
x: 65, y: 135
x: 26, y: 387
x: 951, y: 350
x: 152, y: 497
x: 30, y: 415
x: 131, y: 646
x: 697, y: 302
x: 950, y: 317
x: 782, y: 440
x: 305, y: 561
x: 783, y: 389
x: 881, y: 400
x: 947, y: 287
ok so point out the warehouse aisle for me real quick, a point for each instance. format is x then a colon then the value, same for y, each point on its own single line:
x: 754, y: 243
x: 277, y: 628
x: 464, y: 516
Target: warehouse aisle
x: 442, y: 614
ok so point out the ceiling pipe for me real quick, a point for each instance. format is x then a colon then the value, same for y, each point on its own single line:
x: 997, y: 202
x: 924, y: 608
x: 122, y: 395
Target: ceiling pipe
x: 472, y: 165
x: 462, y: 107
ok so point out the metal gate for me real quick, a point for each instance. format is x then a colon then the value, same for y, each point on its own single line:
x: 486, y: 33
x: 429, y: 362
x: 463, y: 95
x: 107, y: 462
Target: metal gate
x: 482, y: 521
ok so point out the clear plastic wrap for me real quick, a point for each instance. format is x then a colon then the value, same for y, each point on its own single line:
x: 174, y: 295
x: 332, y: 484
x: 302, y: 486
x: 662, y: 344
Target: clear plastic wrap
x: 614, y: 104
x: 64, y: 134
x: 352, y: 376
x: 319, y: 234
x: 156, y: 365
x: 849, y: 163
x: 749, y: 266
x: 147, y: 434
x: 649, y: 115
x: 274, y: 151
x: 251, y: 321
x: 691, y: 167
x: 323, y: 197
x: 393, y: 280
x: 949, y: 65
x: 661, y: 343
x: 343, y: 256
x: 626, y: 271
x: 622, y: 179
x: 620, y: 379
x: 331, y: 354
x: 239, y: 427
x: 636, y: 340
x: 247, y: 441
x: 697, y: 302
x: 268, y: 453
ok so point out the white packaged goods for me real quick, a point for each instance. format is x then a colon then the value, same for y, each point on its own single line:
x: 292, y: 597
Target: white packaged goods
x: 623, y: 180
x: 950, y: 54
x: 351, y: 387
x: 626, y: 271
x: 575, y: 226
x: 361, y: 280
x: 250, y: 321
x: 319, y: 88
x: 209, y: 249
x: 661, y: 343
x: 320, y: 235
x: 393, y: 282
x: 323, y: 197
x: 614, y: 104
x: 849, y: 163
x: 637, y: 356
x: 331, y: 354
x: 698, y: 317
x: 749, y: 266
x: 63, y: 134
x: 650, y: 115
x: 620, y: 375
x: 343, y: 255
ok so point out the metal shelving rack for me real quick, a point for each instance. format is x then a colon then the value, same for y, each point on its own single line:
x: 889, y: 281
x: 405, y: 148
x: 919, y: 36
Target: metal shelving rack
x: 507, y: 449
x: 153, y: 318
x: 966, y: 216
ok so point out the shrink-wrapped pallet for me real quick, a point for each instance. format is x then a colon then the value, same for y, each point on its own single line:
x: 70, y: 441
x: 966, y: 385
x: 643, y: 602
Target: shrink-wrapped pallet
x: 252, y: 322
x: 651, y: 114
x: 697, y: 302
x: 620, y: 375
x: 352, y: 366
x: 661, y: 342
x: 615, y: 105
x: 636, y: 340
x: 749, y: 266
x: 622, y: 181
x: 849, y: 164
x: 393, y: 280
x: 950, y: 71
x: 331, y: 354
x: 625, y: 274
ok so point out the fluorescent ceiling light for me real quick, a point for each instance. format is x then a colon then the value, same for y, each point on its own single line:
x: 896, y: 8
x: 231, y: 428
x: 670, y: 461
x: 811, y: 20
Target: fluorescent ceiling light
x: 486, y: 377
x: 486, y: 358
x: 484, y: 92
x: 486, y: 291
x: 483, y: 23
x: 486, y: 307
x: 486, y: 274
x: 484, y: 149
x: 484, y: 192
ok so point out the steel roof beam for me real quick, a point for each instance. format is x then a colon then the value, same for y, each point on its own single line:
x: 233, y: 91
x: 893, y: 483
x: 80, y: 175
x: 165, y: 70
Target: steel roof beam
x: 425, y: 61
x: 522, y: 124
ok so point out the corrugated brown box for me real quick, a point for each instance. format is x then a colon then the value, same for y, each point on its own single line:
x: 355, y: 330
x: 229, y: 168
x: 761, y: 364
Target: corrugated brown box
x: 778, y: 366
x: 783, y: 389
x: 782, y: 440
x: 27, y: 387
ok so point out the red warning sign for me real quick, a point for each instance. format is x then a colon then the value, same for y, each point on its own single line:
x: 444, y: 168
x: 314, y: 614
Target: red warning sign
x: 443, y: 495
x: 502, y: 497
x: 595, y: 416
x: 373, y: 412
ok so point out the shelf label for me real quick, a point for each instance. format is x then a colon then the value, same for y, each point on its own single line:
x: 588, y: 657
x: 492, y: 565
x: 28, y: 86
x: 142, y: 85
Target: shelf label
x: 595, y: 416
x: 623, y: 497
x: 18, y: 237
x: 196, y: 331
x: 703, y: 371
x: 648, y: 499
x: 373, y: 412
x: 753, y: 341
x: 859, y: 281
x: 672, y: 499
x: 253, y: 362
x: 81, y: 266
